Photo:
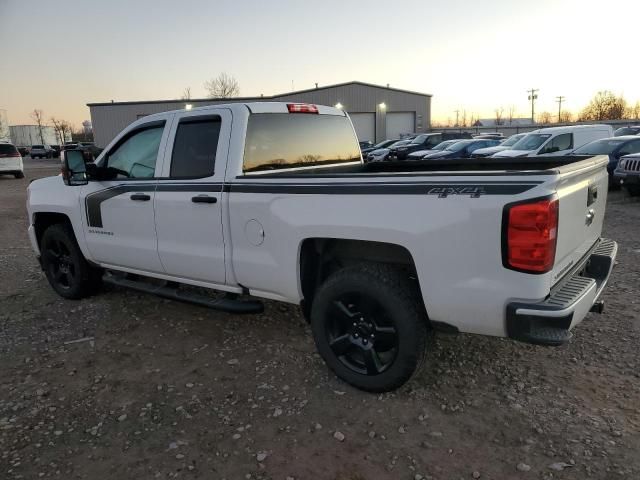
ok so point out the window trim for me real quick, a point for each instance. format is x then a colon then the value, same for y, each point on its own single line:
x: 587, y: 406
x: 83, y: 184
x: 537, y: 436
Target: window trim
x: 194, y: 119
x: 127, y: 136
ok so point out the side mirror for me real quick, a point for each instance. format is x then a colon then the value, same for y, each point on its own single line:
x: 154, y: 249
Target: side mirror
x: 74, y: 170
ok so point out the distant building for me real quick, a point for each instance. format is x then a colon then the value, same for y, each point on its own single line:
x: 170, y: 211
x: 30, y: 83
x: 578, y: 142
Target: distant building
x: 504, y: 122
x: 5, y: 134
x: 377, y: 112
x: 27, y: 135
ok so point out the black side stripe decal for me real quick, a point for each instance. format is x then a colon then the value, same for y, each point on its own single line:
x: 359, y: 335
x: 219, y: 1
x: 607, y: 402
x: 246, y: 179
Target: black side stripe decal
x: 94, y: 200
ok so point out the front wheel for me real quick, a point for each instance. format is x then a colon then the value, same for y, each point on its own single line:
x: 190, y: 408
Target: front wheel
x: 66, y: 269
x: 370, y: 327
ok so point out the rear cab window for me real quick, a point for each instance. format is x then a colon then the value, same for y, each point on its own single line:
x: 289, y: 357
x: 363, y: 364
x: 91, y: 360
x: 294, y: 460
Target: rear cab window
x: 278, y: 141
x: 7, y: 149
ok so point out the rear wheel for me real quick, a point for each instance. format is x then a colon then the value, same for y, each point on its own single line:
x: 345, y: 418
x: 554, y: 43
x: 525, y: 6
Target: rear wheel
x: 19, y: 175
x: 370, y: 327
x: 66, y: 269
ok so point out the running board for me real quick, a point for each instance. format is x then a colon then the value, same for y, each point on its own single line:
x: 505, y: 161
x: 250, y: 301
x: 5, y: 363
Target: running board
x: 229, y: 305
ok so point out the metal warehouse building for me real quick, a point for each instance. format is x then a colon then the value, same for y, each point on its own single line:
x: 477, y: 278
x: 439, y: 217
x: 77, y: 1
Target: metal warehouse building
x: 377, y: 112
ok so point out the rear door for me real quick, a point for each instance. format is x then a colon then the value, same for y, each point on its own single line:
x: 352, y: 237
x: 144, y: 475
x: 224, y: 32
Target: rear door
x: 582, y: 194
x: 188, y: 202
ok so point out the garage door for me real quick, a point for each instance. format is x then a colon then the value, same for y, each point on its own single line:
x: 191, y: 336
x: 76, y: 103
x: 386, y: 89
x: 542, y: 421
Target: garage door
x: 399, y: 123
x: 365, y: 126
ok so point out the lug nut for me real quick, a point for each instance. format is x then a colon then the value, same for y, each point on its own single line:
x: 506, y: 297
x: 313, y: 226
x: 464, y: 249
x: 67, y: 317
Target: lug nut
x: 364, y: 341
x: 356, y: 335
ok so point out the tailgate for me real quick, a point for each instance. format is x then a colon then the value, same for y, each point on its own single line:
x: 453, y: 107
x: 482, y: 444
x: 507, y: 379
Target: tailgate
x: 582, y: 194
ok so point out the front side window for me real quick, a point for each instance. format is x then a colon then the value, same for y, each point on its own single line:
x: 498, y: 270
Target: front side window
x: 194, y: 148
x: 288, y: 140
x: 559, y: 143
x: 531, y: 141
x: 136, y: 155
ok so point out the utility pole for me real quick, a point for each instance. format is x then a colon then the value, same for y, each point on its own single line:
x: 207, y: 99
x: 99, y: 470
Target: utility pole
x: 533, y: 96
x: 560, y: 99
x: 457, y: 112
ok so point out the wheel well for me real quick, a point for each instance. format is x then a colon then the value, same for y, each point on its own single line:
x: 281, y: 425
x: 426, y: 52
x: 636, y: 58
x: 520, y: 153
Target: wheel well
x: 44, y: 220
x: 320, y: 257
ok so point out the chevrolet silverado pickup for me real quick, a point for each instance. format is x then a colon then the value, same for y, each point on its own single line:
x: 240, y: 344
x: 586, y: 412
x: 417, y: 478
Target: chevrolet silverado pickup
x: 272, y: 201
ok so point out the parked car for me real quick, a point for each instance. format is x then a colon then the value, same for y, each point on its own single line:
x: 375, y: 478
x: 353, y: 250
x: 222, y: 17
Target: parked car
x: 614, y: 148
x: 382, y: 154
x: 24, y: 151
x: 630, y: 130
x: 56, y: 151
x: 41, y: 151
x: 441, y: 146
x: 425, y: 141
x: 505, y: 145
x: 497, y: 135
x: 10, y: 161
x: 383, y: 144
x: 556, y: 140
x: 89, y: 150
x: 376, y: 262
x: 627, y: 173
x: 365, y: 144
x: 461, y: 149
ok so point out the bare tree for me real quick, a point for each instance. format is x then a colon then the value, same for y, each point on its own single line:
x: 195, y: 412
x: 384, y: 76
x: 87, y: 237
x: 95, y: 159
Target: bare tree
x: 566, y: 116
x: 634, y: 112
x: 222, y: 86
x: 463, y: 119
x: 544, y: 117
x: 57, y: 126
x: 499, y: 111
x: 510, y: 113
x: 186, y: 94
x: 38, y: 117
x: 605, y: 106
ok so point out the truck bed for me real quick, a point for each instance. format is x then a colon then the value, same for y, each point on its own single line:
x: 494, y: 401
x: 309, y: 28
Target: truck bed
x: 533, y: 165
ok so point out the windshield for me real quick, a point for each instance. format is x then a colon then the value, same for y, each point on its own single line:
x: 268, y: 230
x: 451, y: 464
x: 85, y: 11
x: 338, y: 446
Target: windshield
x: 400, y: 143
x: 512, y: 140
x: 7, y: 148
x: 456, y: 147
x: 626, y: 131
x: 599, y: 147
x: 531, y: 141
x: 37, y: 146
x: 384, y: 143
x: 443, y: 145
x: 420, y: 139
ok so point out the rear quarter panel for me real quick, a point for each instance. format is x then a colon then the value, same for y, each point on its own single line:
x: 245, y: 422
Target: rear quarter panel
x: 455, y: 240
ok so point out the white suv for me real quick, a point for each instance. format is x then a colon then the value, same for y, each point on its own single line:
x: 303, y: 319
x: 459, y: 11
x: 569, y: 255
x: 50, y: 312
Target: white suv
x: 10, y: 161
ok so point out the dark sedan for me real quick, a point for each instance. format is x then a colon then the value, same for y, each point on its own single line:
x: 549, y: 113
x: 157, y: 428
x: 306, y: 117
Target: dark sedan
x: 614, y: 147
x: 462, y: 149
x: 383, y: 144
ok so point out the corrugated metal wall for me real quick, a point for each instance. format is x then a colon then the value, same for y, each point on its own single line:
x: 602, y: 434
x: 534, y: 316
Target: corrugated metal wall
x: 109, y: 119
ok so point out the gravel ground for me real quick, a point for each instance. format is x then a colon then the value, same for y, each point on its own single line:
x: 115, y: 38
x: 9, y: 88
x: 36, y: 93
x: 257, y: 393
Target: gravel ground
x: 157, y: 389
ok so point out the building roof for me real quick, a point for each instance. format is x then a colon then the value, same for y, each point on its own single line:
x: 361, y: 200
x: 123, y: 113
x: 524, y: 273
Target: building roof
x: 258, y: 98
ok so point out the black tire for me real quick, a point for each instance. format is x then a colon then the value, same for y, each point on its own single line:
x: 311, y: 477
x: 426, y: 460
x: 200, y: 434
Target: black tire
x: 19, y: 175
x: 370, y: 327
x: 67, y: 271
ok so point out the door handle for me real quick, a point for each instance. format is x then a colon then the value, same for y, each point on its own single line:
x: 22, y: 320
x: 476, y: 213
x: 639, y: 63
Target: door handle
x: 203, y: 199
x: 141, y: 197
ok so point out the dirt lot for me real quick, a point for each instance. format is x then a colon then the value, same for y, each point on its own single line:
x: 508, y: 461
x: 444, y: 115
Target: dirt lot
x: 167, y: 390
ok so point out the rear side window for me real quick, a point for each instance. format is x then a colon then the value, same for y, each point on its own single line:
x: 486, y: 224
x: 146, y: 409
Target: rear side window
x: 6, y: 149
x: 289, y: 140
x: 195, y: 146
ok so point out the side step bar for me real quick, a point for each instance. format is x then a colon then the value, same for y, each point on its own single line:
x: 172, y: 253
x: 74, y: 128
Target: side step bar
x: 229, y: 305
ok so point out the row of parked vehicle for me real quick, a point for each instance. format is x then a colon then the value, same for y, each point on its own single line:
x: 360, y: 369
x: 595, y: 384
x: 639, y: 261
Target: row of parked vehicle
x: 11, y: 156
x: 622, y: 147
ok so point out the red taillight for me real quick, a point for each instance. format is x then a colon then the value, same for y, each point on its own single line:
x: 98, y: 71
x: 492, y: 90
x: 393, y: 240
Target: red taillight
x: 6, y: 155
x: 531, y: 232
x: 302, y: 108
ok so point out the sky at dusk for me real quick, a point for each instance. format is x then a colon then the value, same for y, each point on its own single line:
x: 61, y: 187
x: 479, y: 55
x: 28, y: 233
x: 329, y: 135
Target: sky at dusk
x: 59, y: 55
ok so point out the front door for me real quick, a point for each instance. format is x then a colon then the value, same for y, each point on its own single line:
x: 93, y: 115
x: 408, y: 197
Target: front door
x: 118, y: 214
x: 189, y: 203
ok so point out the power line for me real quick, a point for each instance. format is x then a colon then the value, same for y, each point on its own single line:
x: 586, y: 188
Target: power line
x: 560, y: 99
x: 533, y: 96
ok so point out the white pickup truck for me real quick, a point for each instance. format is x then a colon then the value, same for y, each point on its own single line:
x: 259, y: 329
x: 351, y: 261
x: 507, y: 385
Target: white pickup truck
x: 272, y: 200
